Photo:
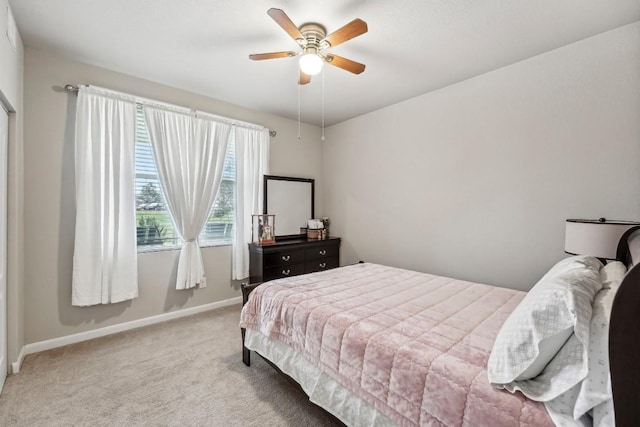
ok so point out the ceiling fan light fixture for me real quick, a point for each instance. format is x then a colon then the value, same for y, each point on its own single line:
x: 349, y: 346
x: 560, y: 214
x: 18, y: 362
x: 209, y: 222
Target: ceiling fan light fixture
x: 310, y: 63
x: 313, y: 39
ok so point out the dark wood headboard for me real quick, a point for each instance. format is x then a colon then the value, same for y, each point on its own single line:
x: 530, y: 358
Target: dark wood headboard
x: 624, y: 345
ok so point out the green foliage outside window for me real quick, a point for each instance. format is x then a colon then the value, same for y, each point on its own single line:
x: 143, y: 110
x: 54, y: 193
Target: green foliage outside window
x: 148, y: 194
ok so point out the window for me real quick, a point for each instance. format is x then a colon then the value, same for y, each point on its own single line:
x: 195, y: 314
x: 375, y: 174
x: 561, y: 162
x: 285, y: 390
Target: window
x: 155, y: 229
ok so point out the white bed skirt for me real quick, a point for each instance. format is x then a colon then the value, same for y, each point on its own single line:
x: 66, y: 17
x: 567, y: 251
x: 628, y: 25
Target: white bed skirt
x: 320, y: 387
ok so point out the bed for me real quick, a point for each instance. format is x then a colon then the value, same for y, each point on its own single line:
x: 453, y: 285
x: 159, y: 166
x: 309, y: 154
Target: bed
x: 376, y: 345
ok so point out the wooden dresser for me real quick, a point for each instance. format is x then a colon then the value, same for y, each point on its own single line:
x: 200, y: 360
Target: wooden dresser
x: 291, y: 258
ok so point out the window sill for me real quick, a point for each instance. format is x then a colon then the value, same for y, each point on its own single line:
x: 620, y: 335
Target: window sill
x: 145, y: 250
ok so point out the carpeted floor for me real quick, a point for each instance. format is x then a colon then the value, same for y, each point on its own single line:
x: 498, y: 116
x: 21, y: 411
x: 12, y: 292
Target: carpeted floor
x: 185, y: 372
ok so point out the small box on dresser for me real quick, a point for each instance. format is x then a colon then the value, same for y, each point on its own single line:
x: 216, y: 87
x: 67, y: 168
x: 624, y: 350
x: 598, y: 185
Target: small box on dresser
x: 292, y: 257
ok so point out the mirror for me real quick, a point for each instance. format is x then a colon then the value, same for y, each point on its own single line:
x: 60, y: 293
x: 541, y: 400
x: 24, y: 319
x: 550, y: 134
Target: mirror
x: 291, y: 201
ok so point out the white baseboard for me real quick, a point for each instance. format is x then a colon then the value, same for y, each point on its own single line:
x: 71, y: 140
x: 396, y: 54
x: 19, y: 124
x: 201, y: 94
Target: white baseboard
x: 114, y: 329
x: 15, y: 366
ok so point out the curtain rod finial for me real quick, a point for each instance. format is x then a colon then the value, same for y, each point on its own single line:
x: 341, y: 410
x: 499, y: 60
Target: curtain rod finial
x: 273, y: 133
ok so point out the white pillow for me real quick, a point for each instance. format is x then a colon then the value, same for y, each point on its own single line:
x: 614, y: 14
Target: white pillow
x: 560, y: 410
x: 604, y: 414
x: 556, y: 311
x: 594, y: 392
x: 612, y: 275
x: 596, y: 387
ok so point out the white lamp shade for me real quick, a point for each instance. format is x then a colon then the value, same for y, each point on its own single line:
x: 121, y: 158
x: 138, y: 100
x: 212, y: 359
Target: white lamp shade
x: 594, y: 237
x: 310, y: 63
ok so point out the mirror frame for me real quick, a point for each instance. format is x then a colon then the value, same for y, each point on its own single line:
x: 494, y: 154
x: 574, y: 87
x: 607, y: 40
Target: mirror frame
x: 268, y: 178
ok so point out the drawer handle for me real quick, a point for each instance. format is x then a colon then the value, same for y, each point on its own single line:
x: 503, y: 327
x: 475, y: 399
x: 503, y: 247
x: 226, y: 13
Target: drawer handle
x: 323, y: 252
x: 286, y: 257
x: 286, y: 272
x: 322, y: 264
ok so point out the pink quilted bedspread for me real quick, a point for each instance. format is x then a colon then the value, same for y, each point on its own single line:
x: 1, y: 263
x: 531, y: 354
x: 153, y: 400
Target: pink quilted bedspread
x: 413, y: 345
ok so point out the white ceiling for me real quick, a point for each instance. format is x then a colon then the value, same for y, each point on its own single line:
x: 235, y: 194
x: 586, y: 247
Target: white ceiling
x: 412, y: 47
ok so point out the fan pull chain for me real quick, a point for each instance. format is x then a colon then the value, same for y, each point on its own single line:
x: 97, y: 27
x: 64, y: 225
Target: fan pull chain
x: 322, y: 137
x: 299, y: 110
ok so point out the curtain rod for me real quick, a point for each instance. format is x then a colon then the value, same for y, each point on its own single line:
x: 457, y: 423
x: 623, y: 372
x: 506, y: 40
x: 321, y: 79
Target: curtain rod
x: 75, y: 88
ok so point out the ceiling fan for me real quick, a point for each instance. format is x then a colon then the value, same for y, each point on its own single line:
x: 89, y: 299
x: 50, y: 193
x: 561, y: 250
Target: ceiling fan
x: 313, y: 39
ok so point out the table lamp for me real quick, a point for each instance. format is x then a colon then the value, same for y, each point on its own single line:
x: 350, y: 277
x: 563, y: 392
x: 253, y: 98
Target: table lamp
x: 596, y: 237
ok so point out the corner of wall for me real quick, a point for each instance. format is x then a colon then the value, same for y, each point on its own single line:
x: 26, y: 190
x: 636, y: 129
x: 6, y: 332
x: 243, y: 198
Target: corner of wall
x: 12, y: 86
x: 17, y: 365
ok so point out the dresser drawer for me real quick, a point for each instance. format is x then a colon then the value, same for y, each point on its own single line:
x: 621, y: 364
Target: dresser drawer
x: 320, y: 264
x: 283, y: 258
x: 281, y: 271
x: 321, y: 252
x: 292, y: 257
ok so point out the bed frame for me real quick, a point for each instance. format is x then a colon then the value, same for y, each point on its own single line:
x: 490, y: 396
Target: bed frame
x: 246, y: 354
x: 624, y: 341
x: 624, y: 350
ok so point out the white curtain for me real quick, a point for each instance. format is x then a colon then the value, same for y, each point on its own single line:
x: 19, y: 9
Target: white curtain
x: 189, y: 153
x: 105, y: 259
x: 252, y: 163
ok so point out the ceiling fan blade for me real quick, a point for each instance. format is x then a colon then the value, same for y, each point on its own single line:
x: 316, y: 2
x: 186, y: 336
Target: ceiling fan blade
x: 352, y: 29
x: 271, y: 55
x: 345, y: 64
x: 304, y: 78
x: 287, y: 24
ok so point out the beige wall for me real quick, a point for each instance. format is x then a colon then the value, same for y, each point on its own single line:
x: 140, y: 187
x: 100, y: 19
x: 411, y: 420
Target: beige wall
x: 475, y: 180
x: 11, y: 85
x: 49, y: 200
